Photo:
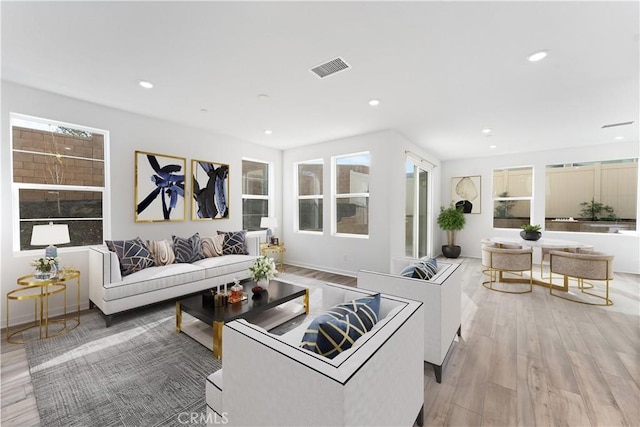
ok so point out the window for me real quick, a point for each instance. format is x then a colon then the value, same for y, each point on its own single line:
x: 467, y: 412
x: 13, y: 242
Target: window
x: 512, y: 197
x: 418, y: 212
x: 594, y: 197
x: 58, y: 175
x: 310, y: 195
x: 351, y: 202
x: 256, y: 190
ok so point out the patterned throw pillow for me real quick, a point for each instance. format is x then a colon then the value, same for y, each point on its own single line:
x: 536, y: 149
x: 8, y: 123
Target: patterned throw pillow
x: 187, y: 250
x: 133, y: 255
x: 234, y: 242
x: 162, y: 251
x: 419, y: 270
x: 366, y: 311
x: 338, y: 335
x: 212, y: 246
x: 431, y: 265
x: 310, y: 336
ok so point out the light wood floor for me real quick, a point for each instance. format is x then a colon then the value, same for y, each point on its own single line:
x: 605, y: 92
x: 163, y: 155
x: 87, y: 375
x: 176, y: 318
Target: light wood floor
x: 528, y: 359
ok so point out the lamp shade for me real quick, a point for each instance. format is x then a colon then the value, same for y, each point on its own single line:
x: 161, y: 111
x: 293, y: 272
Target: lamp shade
x: 268, y: 222
x: 51, y: 234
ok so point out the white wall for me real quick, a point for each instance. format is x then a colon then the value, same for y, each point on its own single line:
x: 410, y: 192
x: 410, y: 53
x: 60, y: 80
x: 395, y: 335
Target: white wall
x: 386, y: 205
x: 128, y: 132
x: 625, y: 247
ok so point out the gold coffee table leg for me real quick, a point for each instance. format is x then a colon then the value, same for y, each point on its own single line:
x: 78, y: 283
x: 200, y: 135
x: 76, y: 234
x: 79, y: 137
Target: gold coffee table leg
x: 178, y: 317
x: 306, y: 301
x: 217, y: 339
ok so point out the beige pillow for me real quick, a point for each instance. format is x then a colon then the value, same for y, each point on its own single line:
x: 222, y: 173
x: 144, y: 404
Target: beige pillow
x: 162, y: 251
x: 212, y: 245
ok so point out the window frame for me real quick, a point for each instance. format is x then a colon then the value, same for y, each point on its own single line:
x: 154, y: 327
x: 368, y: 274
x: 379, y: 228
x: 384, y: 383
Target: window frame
x: 307, y: 197
x: 17, y: 186
x: 335, y: 196
x: 270, y: 188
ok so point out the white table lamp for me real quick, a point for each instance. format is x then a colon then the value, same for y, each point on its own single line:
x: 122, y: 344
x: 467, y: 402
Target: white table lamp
x: 269, y: 223
x: 50, y: 235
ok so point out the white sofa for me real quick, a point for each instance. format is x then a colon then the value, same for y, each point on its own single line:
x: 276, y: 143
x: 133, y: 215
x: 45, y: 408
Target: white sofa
x: 268, y: 380
x: 441, y: 296
x: 112, y: 293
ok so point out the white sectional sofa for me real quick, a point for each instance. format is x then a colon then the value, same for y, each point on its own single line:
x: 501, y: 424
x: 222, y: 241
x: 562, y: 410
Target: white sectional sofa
x: 268, y: 380
x: 442, y: 298
x: 112, y: 293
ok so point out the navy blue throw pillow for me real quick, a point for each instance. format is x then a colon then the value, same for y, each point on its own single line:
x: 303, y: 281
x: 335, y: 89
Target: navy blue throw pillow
x: 338, y: 335
x: 188, y: 250
x: 133, y: 255
x: 234, y: 243
x: 310, y: 336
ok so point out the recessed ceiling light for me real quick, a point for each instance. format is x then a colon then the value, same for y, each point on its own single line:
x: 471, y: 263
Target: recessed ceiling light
x: 204, y: 110
x: 145, y: 84
x: 263, y: 96
x: 537, y: 56
x: 374, y: 102
x: 268, y: 132
x: 486, y: 130
x: 619, y: 138
x: 492, y: 146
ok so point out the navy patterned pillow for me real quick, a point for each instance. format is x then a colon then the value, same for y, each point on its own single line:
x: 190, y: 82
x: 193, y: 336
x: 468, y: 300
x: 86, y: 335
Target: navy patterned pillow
x: 133, y: 255
x: 188, y: 250
x: 431, y: 265
x: 338, y: 335
x: 371, y: 306
x: 419, y: 270
x: 234, y: 242
x: 310, y: 336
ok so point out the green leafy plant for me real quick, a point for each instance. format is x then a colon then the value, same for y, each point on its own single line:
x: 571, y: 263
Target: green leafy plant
x: 597, y: 211
x: 451, y: 220
x: 503, y: 207
x: 531, y: 228
x: 45, y: 264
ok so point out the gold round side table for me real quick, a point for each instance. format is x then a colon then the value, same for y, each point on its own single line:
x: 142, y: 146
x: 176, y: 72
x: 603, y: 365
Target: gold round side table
x: 39, y: 291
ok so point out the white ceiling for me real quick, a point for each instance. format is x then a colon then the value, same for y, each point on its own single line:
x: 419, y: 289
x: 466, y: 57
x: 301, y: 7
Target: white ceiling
x: 443, y: 71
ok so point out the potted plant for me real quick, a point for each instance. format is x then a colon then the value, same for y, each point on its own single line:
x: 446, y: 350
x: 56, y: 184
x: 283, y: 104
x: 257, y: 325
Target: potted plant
x: 531, y: 232
x: 263, y: 270
x: 451, y: 220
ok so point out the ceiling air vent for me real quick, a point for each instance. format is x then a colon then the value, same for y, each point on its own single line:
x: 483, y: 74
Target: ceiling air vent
x: 612, y: 125
x: 331, y: 67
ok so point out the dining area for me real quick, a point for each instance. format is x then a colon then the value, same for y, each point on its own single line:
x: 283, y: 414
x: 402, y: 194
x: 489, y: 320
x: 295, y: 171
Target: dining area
x: 571, y: 270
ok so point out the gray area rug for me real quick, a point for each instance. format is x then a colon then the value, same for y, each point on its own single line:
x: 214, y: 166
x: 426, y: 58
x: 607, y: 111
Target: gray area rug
x: 138, y: 372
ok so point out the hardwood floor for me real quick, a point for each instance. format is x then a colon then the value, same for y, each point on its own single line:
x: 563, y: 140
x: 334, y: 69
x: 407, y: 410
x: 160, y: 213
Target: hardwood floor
x: 528, y: 359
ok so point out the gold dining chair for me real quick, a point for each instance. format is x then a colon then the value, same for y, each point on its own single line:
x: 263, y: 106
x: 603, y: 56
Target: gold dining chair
x: 497, y: 261
x: 582, y: 266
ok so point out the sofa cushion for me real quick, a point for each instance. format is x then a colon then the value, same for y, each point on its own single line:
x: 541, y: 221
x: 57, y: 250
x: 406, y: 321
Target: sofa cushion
x: 226, y: 265
x: 234, y: 242
x: 133, y: 255
x: 187, y: 250
x: 162, y: 251
x: 212, y: 245
x: 338, y: 335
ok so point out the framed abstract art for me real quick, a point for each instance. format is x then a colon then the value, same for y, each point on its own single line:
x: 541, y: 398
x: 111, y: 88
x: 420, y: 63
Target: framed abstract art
x: 210, y: 183
x: 159, y: 187
x: 465, y: 192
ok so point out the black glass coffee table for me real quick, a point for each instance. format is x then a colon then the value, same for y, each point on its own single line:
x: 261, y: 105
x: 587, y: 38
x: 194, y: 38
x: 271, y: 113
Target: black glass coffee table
x: 252, y: 308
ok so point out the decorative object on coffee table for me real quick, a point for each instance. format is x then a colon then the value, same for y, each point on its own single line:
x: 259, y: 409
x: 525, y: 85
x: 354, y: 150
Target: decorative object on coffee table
x: 45, y: 267
x: 531, y: 232
x: 263, y: 270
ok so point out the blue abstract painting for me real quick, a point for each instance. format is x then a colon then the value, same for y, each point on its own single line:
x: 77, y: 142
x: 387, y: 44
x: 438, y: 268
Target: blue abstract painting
x: 210, y: 190
x: 160, y: 181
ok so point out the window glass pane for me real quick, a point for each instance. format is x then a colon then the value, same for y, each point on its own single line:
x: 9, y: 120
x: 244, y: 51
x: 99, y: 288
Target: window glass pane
x: 252, y: 211
x: 352, y: 174
x: 511, y: 213
x: 595, y: 197
x: 255, y: 178
x: 309, y: 179
x: 352, y: 215
x: 81, y: 233
x: 62, y: 140
x: 514, y: 182
x: 39, y: 204
x: 310, y: 215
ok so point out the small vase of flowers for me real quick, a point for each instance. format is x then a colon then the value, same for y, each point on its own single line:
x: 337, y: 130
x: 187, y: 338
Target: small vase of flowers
x: 263, y: 270
x: 45, y: 267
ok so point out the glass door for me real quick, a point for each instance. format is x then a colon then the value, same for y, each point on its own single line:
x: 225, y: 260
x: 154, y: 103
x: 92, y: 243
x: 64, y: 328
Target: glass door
x: 417, y: 224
